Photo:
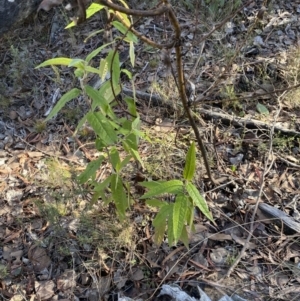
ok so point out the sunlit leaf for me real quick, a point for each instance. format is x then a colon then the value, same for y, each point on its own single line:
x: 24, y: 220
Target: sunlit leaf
x: 56, y: 61
x: 91, y: 10
x: 96, y: 51
x: 62, y: 102
x: 131, y: 53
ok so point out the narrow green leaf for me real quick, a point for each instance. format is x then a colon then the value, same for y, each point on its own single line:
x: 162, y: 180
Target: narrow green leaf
x: 102, y: 127
x: 159, y: 233
x: 92, y: 9
x: 162, y: 215
x: 92, y: 34
x: 135, y: 154
x: 115, y: 159
x: 99, y: 101
x: 127, y: 72
x: 61, y: 103
x: 123, y: 29
x: 106, y: 91
x: 114, y: 64
x: 80, y: 124
x: 190, y: 213
x: 103, y: 69
x: 92, y: 70
x: 156, y: 203
x: 190, y: 163
x: 125, y: 161
x: 151, y: 184
x: 90, y: 170
x: 119, y: 195
x: 78, y: 63
x: 131, y: 53
x: 56, y: 61
x: 173, y: 186
x: 184, y: 237
x: 96, y: 52
x: 198, y: 200
x: 171, y: 239
x: 179, y: 215
x: 131, y: 105
x: 132, y: 141
x: 99, y: 190
x: 101, y: 186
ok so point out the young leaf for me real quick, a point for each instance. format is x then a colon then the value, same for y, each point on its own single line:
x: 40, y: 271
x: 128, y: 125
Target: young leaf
x: 131, y: 53
x: 80, y: 124
x: 162, y: 215
x: 61, y: 103
x: 115, y: 159
x: 107, y: 93
x: 103, y: 69
x: 102, y: 127
x: 127, y: 72
x: 171, y: 239
x: 99, y: 189
x: 179, y: 215
x: 156, y: 203
x: 99, y: 101
x: 190, y: 163
x: 92, y: 70
x: 151, y: 184
x: 92, y: 9
x: 125, y: 161
x: 114, y: 64
x: 102, y: 185
x: 119, y: 195
x: 57, y: 61
x: 124, y: 30
x: 184, y: 237
x: 173, y: 186
x: 159, y: 233
x: 132, y: 141
x: 90, y: 170
x: 78, y: 63
x: 159, y: 223
x: 198, y: 200
x: 135, y: 154
x: 96, y: 52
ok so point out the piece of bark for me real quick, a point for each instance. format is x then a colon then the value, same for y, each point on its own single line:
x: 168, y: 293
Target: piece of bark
x: 280, y: 218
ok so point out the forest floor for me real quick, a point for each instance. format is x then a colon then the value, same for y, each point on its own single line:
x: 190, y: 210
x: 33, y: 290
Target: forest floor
x: 56, y: 244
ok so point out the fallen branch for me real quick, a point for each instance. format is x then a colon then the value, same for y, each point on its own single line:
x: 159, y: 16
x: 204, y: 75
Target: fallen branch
x: 227, y: 119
